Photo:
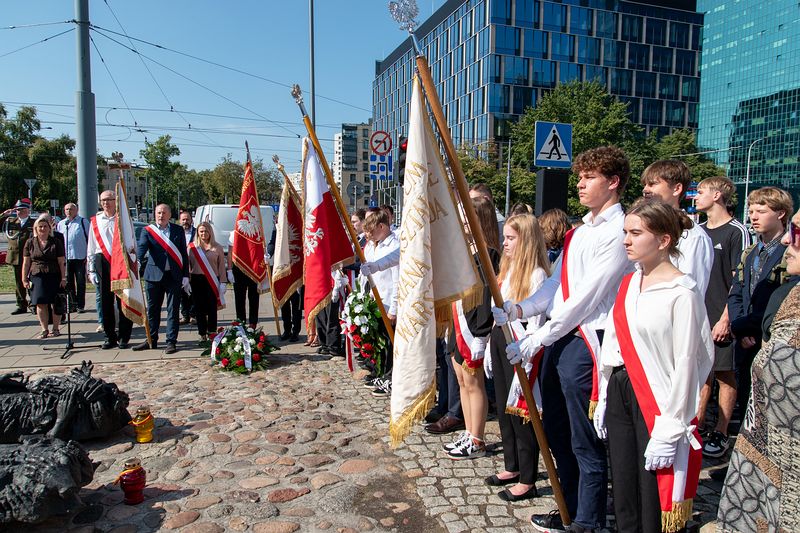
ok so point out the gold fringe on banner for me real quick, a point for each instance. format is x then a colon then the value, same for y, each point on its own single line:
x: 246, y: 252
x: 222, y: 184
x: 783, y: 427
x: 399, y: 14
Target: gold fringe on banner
x: 522, y: 413
x: 469, y: 370
x: 400, y: 428
x: 592, y: 408
x: 674, y: 520
x: 443, y: 308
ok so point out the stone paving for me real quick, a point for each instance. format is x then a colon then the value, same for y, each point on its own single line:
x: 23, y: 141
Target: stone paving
x: 300, y: 447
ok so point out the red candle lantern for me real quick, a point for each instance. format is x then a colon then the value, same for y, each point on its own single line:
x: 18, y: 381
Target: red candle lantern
x: 132, y: 480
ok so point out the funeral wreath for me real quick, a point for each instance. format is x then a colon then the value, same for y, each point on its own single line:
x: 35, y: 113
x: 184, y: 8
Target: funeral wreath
x: 360, y: 321
x: 240, y: 349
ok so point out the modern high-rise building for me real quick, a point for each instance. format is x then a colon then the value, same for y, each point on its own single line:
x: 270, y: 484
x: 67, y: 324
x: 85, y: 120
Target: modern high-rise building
x: 750, y: 96
x: 350, y: 166
x: 491, y: 59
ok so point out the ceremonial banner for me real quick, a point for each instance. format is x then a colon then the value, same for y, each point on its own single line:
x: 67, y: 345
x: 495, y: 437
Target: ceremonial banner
x: 287, y: 270
x: 436, y: 269
x: 326, y: 244
x: 125, y: 281
x: 249, y: 245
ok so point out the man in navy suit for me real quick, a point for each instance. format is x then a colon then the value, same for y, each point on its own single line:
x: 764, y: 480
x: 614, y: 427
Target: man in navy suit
x: 166, y: 273
x: 187, y: 303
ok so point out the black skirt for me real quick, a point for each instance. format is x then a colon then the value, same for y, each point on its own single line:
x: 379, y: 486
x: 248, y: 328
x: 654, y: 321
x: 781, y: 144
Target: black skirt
x: 45, y: 288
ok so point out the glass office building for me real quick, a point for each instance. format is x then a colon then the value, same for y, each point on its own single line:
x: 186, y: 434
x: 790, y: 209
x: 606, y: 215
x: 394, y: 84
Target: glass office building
x: 750, y: 97
x: 491, y: 59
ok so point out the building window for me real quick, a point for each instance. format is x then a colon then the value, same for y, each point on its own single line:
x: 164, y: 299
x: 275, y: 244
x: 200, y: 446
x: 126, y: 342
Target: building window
x: 678, y: 35
x: 676, y: 111
x: 668, y: 87
x: 516, y: 70
x: 499, y: 99
x: 638, y: 56
x: 651, y: 112
x: 500, y: 11
x: 544, y: 73
x: 555, y: 17
x: 690, y: 89
x: 523, y: 98
x: 606, y: 25
x: 562, y: 47
x: 535, y: 44
x: 633, y: 107
x: 597, y: 74
x: 613, y: 54
x: 646, y: 84
x: 662, y: 59
x: 656, y: 31
x: 685, y: 62
x: 507, y: 40
x: 632, y: 28
x: 568, y: 72
x: 527, y: 14
x: 621, y: 82
x: 580, y: 21
x: 589, y: 50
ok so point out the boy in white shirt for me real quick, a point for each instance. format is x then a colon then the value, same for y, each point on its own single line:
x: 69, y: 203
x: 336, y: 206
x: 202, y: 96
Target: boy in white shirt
x: 668, y: 180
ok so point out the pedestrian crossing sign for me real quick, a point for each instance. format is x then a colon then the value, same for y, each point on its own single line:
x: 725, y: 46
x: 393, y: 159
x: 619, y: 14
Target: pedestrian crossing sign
x: 553, y: 145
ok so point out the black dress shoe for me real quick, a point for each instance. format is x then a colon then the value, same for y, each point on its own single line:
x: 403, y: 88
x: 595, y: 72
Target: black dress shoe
x: 109, y: 345
x: 19, y: 311
x: 433, y: 417
x: 285, y: 336
x: 294, y: 337
x: 494, y: 481
x: 324, y: 350
x: 171, y: 348
x: 446, y: 424
x: 124, y: 345
x: 335, y: 353
x: 143, y: 346
x: 183, y: 321
x: 508, y: 496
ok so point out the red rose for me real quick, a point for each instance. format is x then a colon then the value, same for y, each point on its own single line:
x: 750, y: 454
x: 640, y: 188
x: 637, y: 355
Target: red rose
x: 352, y: 328
x: 256, y: 357
x: 219, y: 329
x: 240, y: 362
x: 357, y: 339
x: 372, y: 360
x: 224, y: 361
x: 235, y: 323
x: 366, y: 347
x: 260, y: 345
x: 216, y: 352
x: 262, y: 337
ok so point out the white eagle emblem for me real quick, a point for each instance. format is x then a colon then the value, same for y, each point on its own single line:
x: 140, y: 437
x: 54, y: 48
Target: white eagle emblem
x: 295, y: 246
x: 312, y: 237
x: 249, y: 225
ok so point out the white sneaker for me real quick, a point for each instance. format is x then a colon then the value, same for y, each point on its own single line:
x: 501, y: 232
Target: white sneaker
x: 458, y: 441
x: 99, y: 328
x: 468, y: 450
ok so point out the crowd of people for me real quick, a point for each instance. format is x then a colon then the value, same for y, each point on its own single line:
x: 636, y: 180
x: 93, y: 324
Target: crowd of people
x: 629, y: 325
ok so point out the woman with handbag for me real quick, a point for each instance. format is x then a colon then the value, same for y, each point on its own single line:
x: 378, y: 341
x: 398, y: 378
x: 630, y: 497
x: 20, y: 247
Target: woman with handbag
x: 45, y: 274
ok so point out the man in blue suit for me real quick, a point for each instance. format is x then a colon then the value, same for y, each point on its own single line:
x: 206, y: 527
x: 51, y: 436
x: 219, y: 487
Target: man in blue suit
x: 166, y: 273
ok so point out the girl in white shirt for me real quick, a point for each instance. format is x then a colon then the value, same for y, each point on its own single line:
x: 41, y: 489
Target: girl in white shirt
x: 523, y: 269
x: 656, y: 355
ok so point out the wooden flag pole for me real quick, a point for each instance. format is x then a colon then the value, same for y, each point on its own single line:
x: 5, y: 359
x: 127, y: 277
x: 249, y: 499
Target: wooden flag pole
x: 337, y: 197
x: 486, y: 265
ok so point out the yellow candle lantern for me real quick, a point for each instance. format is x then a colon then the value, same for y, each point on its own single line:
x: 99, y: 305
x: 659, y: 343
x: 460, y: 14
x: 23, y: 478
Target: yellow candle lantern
x: 143, y: 424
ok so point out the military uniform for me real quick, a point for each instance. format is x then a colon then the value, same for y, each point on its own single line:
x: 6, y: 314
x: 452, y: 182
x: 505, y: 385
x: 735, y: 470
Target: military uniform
x: 21, y: 232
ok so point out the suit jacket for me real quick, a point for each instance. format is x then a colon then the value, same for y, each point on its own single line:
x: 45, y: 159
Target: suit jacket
x: 745, y: 310
x: 191, y: 239
x: 156, y: 263
x: 17, y: 243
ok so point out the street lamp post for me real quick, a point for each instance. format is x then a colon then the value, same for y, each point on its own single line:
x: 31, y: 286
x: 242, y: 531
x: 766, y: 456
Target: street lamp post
x: 747, y: 179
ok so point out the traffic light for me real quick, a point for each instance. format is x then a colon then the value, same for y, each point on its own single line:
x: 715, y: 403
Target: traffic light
x: 402, y: 146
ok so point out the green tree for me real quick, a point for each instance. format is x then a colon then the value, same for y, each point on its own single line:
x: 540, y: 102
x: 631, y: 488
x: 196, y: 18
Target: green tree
x: 161, y: 169
x: 597, y: 120
x: 682, y: 144
x: 225, y: 181
x: 24, y: 153
x: 480, y: 164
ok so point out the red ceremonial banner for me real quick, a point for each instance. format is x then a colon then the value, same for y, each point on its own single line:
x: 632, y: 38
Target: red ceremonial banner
x: 249, y: 245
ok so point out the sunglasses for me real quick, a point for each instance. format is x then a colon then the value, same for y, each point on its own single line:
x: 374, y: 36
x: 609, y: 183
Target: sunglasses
x: 794, y: 234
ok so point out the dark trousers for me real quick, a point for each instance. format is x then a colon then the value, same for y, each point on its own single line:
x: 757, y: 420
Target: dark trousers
x: 636, y: 504
x: 328, y: 328
x: 744, y: 364
x: 107, y: 300
x: 205, y: 306
x: 291, y: 314
x: 187, y: 304
x: 156, y: 290
x: 21, y: 291
x: 453, y: 388
x: 566, y: 384
x: 520, y: 448
x: 76, y: 282
x: 245, y: 292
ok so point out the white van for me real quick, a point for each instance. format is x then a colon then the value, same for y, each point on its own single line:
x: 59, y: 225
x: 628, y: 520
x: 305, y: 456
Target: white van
x: 223, y: 216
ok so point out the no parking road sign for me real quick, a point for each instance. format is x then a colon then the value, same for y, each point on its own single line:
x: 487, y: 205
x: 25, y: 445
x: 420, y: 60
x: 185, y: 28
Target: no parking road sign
x: 553, y: 145
x: 380, y: 142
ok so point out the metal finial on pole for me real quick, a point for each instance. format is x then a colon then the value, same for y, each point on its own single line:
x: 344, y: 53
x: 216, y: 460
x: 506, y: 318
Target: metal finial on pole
x: 277, y: 161
x: 404, y: 12
x: 297, y: 94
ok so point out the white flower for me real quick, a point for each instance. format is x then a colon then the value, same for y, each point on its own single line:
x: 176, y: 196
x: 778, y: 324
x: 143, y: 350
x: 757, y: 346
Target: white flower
x: 252, y: 342
x: 237, y: 348
x: 224, y: 340
x: 250, y: 330
x: 364, y: 329
x: 358, y: 308
x: 359, y: 320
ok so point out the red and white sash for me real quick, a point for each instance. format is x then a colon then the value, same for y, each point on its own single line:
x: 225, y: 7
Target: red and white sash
x: 102, y: 242
x: 588, y: 335
x: 211, y: 278
x: 677, y: 485
x: 464, y: 338
x: 166, y: 244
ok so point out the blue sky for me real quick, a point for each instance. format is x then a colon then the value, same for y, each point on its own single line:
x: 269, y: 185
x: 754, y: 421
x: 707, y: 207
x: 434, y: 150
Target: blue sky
x: 267, y: 38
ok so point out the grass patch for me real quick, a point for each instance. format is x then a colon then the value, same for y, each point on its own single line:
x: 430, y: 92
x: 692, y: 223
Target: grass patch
x: 7, y: 285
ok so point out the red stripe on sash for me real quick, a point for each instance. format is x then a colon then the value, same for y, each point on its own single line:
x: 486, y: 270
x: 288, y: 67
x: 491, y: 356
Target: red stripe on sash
x: 99, y: 238
x: 565, y: 292
x: 202, y: 260
x: 165, y: 244
x: 648, y: 405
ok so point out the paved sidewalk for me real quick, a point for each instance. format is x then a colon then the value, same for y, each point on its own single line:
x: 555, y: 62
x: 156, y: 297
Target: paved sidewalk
x: 300, y: 447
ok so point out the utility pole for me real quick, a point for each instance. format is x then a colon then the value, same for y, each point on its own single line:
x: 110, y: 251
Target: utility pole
x: 747, y: 179
x: 85, y: 116
x: 311, y: 50
x: 508, y: 179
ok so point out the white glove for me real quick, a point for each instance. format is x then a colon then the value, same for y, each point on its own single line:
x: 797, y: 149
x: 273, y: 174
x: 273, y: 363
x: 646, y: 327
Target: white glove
x: 478, y: 347
x: 600, y: 420
x: 521, y: 351
x: 659, y: 454
x: 230, y: 276
x: 508, y: 313
x: 94, y: 278
x: 186, y: 286
x: 335, y: 295
x: 367, y: 269
x: 487, y: 367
